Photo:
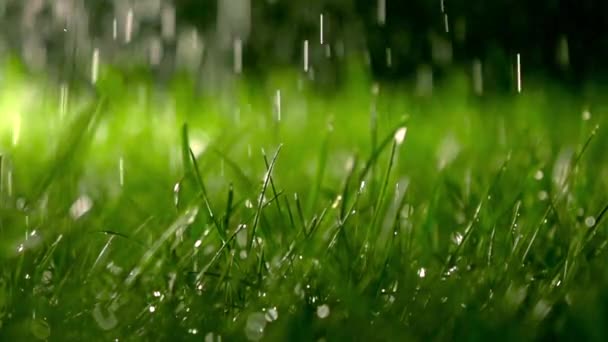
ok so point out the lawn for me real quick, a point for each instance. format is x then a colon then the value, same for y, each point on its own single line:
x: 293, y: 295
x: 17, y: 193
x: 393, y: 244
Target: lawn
x: 272, y: 210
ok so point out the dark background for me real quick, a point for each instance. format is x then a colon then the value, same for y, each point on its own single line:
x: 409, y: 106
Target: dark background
x: 492, y: 32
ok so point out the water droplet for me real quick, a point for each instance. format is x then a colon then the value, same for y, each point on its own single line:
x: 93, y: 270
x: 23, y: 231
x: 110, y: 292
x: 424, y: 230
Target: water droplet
x: 539, y: 175
x: 152, y: 308
x: 81, y: 206
x: 95, y: 66
x: 477, y: 77
x: 543, y: 195
x: 156, y: 293
x: 277, y: 104
x: 129, y: 26
x: 105, y: 318
x: 422, y: 272
x: 198, y: 243
x: 381, y: 12
x: 238, y: 56
x: 193, y: 331
x: 40, y: 329
x: 457, y: 238
x: 586, y: 115
x: 254, y: 328
x: 306, y: 66
x: 541, y: 309
x: 337, y: 202
x: 519, y: 73
x: 323, y: 311
x: 121, y: 171
x: 272, y: 314
x: 321, y: 29
x: 400, y: 135
x: 590, y: 221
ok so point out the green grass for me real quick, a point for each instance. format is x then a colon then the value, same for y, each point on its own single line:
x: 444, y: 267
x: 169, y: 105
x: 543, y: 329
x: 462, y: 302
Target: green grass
x: 140, y: 213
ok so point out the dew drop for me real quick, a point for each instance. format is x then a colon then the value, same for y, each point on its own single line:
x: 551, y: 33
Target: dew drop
x: 323, y: 311
x: 254, y: 328
x: 40, y: 329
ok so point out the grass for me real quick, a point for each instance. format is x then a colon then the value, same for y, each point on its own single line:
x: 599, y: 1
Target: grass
x: 138, y: 213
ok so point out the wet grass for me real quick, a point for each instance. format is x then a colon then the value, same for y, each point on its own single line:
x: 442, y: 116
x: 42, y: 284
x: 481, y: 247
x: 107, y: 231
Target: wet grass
x: 137, y: 213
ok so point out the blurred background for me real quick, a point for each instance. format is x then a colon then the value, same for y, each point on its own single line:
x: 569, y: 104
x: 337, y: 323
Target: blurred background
x: 406, y: 41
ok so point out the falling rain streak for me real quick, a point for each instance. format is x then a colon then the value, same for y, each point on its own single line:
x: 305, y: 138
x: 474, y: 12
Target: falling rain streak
x: 95, y: 66
x: 63, y: 100
x: 518, y: 73
x: 321, y: 29
x: 129, y: 26
x: 477, y: 77
x: 381, y: 12
x: 114, y: 29
x: 306, y: 56
x: 277, y: 104
x: 121, y: 171
x: 238, y: 56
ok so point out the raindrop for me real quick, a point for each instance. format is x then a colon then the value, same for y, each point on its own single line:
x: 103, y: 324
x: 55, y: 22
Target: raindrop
x: 16, y: 129
x: 337, y: 202
x: 152, y: 308
x: 389, y: 57
x: 590, y: 221
x: 114, y: 29
x: 539, y: 175
x: 424, y: 80
x: 193, y: 331
x: 362, y: 186
x: 321, y: 28
x: 95, y: 66
x: 241, y: 236
x: 156, y: 293
x: 198, y: 243
x: 40, y: 329
x: 272, y: 314
x: 519, y: 73
x: 586, y: 115
x: 457, y: 238
x: 400, y: 135
x: 277, y: 104
x: 477, y: 77
x: 254, y: 328
x: 446, y: 23
x: 80, y: 207
x: 129, y: 26
x: 421, y: 272
x: 541, y: 309
x: 323, y: 311
x: 121, y: 171
x: 156, y: 51
x: 306, y: 67
x: 167, y: 22
x: 563, y: 54
x: 381, y: 12
x: 238, y: 56
x: 63, y: 100
x: 105, y: 318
